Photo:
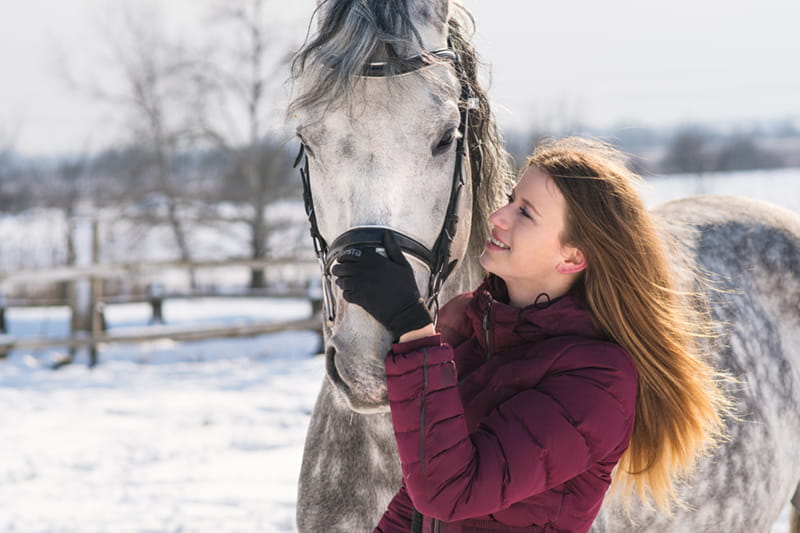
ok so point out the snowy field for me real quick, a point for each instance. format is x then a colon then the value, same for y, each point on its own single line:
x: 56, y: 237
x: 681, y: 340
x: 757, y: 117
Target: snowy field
x: 192, y: 437
x: 159, y: 437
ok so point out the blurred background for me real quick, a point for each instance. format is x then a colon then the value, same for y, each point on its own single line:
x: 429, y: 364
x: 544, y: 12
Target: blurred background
x: 171, y: 114
x: 151, y: 225
x: 174, y: 109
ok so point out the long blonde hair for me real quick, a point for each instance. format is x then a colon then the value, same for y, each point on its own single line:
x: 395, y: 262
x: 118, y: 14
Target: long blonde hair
x: 634, y: 297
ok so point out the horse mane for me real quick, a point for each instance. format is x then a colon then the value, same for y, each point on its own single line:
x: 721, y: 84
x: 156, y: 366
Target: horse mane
x: 492, y: 175
x: 353, y: 33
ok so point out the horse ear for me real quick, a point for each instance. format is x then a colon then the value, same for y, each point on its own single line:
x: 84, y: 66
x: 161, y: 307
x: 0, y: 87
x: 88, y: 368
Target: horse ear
x: 431, y: 11
x: 321, y: 12
x: 430, y: 18
x: 431, y: 14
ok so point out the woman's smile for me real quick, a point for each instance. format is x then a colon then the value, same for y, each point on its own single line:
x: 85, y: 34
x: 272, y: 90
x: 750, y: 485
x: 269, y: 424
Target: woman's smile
x: 494, y: 243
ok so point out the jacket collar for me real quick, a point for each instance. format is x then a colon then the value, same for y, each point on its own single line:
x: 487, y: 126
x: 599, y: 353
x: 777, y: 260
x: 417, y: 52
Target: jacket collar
x: 512, y: 326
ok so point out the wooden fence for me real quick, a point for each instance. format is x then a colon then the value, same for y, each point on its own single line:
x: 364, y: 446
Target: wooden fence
x: 94, y: 332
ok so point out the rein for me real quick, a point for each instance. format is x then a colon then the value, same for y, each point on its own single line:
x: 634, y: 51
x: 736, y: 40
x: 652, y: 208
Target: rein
x: 437, y: 259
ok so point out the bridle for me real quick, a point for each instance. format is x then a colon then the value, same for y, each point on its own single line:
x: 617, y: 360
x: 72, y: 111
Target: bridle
x: 437, y: 259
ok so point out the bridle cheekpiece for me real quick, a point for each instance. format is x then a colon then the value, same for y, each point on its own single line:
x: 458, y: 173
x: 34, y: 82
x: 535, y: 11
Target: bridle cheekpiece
x: 436, y: 259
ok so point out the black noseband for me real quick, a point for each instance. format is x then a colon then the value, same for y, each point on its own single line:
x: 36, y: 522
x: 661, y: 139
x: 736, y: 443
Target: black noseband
x: 437, y: 259
x: 372, y: 237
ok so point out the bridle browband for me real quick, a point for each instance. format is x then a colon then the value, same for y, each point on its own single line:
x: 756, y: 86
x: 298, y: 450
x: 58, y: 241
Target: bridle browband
x: 436, y: 259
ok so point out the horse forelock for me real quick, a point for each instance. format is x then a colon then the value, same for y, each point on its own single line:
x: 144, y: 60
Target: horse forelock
x: 351, y: 34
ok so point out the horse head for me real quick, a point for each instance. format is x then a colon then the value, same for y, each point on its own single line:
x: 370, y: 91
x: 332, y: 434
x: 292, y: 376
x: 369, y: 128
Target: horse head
x: 381, y: 113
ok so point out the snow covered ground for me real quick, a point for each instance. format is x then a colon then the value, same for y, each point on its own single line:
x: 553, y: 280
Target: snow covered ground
x: 196, y: 437
x: 159, y: 437
x: 192, y: 437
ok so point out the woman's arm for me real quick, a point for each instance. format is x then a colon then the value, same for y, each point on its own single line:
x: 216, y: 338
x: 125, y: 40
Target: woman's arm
x: 398, y: 516
x: 534, y: 441
x: 426, y: 331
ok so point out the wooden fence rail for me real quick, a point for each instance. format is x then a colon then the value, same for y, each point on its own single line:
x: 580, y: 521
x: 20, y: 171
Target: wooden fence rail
x: 119, y: 270
x: 94, y: 333
x: 176, y: 333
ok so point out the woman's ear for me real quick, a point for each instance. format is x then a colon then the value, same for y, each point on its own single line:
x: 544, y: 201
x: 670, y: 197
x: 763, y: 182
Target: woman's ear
x: 572, y: 261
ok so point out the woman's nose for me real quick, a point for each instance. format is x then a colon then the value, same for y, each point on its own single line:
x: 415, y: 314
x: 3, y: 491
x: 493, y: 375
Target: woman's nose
x: 499, y: 218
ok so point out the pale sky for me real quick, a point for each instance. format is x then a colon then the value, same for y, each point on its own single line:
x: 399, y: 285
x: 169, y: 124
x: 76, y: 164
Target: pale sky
x: 600, y: 62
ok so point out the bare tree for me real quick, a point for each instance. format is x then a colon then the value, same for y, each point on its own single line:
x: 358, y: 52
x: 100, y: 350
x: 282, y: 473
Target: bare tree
x: 688, y: 153
x: 6, y: 162
x: 7, y: 174
x: 742, y: 152
x: 154, y: 92
x: 238, y: 83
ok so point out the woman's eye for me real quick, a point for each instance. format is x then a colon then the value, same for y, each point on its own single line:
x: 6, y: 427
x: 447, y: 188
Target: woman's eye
x: 522, y: 210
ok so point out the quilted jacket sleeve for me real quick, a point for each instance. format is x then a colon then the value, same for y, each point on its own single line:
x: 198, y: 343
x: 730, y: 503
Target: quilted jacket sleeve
x: 533, y: 441
x: 397, y: 518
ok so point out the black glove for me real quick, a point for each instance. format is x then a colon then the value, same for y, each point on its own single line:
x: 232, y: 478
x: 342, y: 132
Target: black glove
x: 383, y: 286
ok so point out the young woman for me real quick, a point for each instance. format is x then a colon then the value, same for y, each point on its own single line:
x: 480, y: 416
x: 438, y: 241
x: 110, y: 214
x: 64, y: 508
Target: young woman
x: 577, y: 354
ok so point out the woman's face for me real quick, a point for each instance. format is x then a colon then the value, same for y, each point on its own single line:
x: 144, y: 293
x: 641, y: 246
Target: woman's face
x: 525, y: 249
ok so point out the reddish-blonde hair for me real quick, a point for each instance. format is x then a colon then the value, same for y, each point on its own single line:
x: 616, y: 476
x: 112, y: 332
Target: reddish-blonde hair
x: 632, y: 292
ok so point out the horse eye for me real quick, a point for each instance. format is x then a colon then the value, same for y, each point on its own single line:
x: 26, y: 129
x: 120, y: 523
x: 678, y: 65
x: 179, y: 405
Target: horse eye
x: 446, y: 140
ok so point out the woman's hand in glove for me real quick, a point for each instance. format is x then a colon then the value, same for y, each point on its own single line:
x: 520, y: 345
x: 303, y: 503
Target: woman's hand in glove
x: 383, y: 286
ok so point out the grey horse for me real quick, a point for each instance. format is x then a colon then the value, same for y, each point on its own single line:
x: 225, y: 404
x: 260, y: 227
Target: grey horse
x: 381, y: 148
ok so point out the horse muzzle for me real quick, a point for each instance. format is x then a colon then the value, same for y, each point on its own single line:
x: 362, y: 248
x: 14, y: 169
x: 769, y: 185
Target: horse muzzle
x: 356, y: 370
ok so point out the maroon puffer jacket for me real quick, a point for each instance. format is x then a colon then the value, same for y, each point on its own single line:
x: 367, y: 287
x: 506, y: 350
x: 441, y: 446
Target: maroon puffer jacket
x: 523, y: 437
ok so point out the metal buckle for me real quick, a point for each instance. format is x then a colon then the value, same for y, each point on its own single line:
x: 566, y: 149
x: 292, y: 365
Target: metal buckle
x: 327, y: 300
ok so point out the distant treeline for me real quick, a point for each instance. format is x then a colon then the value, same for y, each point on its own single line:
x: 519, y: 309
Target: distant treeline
x: 694, y: 149
x: 213, y: 175
x: 199, y: 183
x: 131, y: 175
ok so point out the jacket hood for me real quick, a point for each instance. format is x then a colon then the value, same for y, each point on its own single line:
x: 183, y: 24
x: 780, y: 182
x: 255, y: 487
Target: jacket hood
x: 510, y: 326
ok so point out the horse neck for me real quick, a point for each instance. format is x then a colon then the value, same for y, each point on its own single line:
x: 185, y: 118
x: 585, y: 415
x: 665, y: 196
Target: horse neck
x: 466, y: 277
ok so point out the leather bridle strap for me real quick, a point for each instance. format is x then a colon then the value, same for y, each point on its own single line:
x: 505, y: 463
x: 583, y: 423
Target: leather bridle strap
x: 372, y: 237
x: 438, y: 259
x: 441, y: 248
x: 382, y: 69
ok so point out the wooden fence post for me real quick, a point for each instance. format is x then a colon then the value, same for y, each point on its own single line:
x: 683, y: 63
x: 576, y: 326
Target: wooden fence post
x: 315, y: 297
x: 97, y: 328
x: 72, y: 290
x: 155, y: 295
x: 3, y: 327
x: 96, y: 296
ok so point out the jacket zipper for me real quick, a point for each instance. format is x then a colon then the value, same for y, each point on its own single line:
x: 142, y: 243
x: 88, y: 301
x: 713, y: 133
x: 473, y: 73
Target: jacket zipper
x: 487, y: 328
x: 422, y: 410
